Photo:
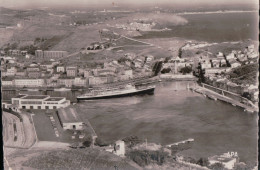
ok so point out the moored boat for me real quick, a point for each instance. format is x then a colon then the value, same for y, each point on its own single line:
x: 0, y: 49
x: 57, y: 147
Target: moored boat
x: 62, y: 89
x: 129, y: 90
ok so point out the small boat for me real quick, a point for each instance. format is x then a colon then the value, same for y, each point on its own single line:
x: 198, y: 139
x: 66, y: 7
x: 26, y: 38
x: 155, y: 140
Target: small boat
x: 62, y: 89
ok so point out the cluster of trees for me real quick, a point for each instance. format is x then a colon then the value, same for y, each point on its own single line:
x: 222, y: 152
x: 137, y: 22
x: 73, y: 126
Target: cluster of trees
x: 186, y: 70
x: 145, y: 157
x: 200, y: 73
x: 30, y: 49
x: 131, y: 141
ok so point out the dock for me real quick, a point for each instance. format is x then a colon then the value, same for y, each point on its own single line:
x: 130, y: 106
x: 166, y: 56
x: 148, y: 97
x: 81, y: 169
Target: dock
x: 181, y: 142
x: 216, y: 96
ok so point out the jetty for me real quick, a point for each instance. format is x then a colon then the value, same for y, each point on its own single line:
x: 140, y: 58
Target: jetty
x: 181, y: 142
x: 244, y: 103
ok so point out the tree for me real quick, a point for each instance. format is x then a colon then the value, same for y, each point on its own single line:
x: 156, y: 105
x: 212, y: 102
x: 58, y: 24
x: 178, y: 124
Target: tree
x: 101, y: 142
x: 180, y: 52
x: 87, y: 142
x: 186, y: 70
x: 217, y: 166
x: 203, y: 162
x: 165, y: 70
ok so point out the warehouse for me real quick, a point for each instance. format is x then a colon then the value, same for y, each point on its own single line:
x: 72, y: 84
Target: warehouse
x: 24, y: 101
x: 70, y: 119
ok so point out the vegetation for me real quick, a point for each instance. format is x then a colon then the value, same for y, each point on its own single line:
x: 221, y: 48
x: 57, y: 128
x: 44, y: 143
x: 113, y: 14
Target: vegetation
x: 186, y: 70
x: 217, y: 166
x: 203, y: 162
x: 166, y: 70
x: 77, y: 159
x: 245, y: 74
x: 87, y: 142
x: 145, y: 157
x: 30, y: 49
x: 131, y: 141
x: 101, y: 142
x: 199, y: 72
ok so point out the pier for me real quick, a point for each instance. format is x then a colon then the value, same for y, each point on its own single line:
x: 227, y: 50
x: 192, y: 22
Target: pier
x: 181, y: 142
x: 242, y: 102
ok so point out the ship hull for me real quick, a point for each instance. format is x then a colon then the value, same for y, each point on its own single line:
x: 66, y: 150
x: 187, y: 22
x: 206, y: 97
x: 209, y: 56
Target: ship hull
x: 141, y: 92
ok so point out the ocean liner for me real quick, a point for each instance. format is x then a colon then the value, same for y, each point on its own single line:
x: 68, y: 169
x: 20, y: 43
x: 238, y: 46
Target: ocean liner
x: 129, y: 90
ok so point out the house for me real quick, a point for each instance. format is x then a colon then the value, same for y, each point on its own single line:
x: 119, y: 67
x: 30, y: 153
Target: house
x: 119, y: 148
x: 97, y: 80
x: 7, y: 81
x: 70, y: 119
x: 60, y: 69
x: 230, y: 56
x: 228, y: 160
x: 67, y: 82
x: 80, y: 81
x: 235, y: 64
x: 71, y: 71
x: 11, y: 71
x: 220, y: 55
x: 24, y: 101
x: 34, y: 74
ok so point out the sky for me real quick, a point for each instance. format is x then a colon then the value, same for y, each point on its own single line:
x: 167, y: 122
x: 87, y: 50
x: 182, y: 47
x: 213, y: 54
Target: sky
x: 51, y: 3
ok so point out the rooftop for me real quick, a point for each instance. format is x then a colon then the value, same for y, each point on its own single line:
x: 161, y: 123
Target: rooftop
x: 20, y: 96
x: 54, y: 99
x: 35, y: 96
x: 68, y: 115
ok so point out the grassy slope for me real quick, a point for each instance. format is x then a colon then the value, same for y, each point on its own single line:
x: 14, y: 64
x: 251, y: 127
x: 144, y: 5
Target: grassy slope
x: 77, y: 159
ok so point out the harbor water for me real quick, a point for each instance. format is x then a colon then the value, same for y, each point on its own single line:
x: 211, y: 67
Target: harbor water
x: 172, y: 114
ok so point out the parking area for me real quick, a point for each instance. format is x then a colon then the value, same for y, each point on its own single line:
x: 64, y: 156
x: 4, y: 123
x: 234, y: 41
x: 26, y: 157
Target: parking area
x: 48, y: 128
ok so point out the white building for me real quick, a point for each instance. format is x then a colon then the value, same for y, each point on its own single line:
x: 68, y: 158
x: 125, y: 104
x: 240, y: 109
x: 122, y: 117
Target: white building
x: 60, y: 69
x: 7, y: 83
x: 235, y: 64
x: 119, y: 148
x: 29, y: 82
x: 70, y: 119
x: 227, y: 159
x: 80, y: 81
x: 24, y: 101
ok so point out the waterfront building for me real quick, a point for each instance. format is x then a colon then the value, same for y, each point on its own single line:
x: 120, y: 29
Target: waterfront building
x: 29, y: 82
x: 226, y: 159
x: 67, y: 82
x: 7, y: 82
x: 212, y: 71
x: 24, y: 101
x: 70, y: 119
x: 97, y: 80
x: 80, y: 81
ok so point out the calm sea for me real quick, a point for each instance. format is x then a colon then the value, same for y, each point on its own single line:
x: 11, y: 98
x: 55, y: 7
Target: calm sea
x: 218, y: 27
x: 170, y: 115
